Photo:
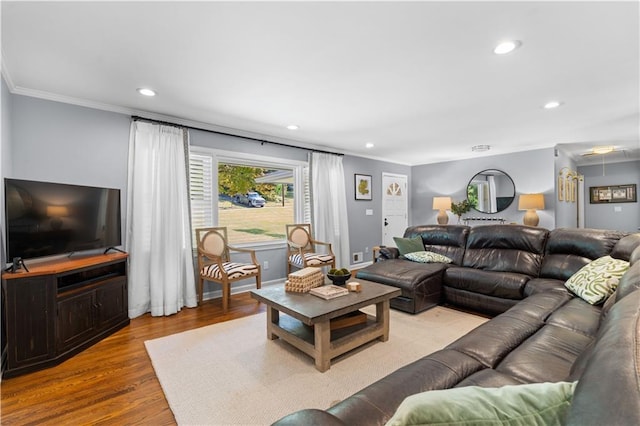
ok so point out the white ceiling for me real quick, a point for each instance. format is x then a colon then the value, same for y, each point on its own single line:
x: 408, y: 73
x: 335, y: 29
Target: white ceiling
x: 419, y: 80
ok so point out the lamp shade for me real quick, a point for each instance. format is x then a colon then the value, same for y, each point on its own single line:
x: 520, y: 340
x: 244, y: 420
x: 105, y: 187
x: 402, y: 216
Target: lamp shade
x: 531, y: 202
x: 442, y: 203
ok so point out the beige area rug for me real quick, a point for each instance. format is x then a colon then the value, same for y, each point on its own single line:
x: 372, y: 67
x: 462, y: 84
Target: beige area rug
x: 230, y: 374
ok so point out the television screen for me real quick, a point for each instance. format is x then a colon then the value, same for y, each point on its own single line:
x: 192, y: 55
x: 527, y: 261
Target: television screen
x: 44, y: 218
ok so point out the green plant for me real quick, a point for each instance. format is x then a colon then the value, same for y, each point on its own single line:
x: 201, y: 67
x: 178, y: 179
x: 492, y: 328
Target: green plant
x: 461, y: 207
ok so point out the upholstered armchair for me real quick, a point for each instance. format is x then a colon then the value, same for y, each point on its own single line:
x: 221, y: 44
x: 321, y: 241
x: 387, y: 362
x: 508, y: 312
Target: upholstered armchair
x: 303, y: 248
x: 215, y: 264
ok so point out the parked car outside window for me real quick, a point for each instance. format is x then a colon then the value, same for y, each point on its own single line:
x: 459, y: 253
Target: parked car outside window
x: 250, y: 199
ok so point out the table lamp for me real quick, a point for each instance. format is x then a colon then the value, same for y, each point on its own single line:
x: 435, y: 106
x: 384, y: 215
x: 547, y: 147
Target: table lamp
x: 442, y: 204
x: 531, y: 203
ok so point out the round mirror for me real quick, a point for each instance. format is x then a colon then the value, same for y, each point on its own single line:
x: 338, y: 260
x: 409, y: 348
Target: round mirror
x: 491, y: 191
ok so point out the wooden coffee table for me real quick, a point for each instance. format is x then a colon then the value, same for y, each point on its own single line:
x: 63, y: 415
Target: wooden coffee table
x: 307, y: 323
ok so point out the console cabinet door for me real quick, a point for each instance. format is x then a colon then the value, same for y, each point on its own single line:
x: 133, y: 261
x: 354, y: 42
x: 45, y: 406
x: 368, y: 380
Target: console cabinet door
x: 76, y: 322
x: 30, y: 317
x: 111, y: 302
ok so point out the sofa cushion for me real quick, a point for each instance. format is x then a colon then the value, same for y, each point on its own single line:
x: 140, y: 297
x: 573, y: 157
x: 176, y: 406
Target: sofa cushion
x: 505, y: 284
x: 546, y: 356
x: 408, y: 245
x: 597, y: 280
x: 541, y: 285
x: 448, y: 240
x: 569, y: 249
x: 477, y: 302
x: 489, y: 378
x: 611, y: 372
x: 500, y: 248
x: 427, y: 257
x: 376, y: 403
x: 531, y: 404
x: 492, y: 341
x: 630, y: 282
x: 400, y: 273
x: 625, y: 247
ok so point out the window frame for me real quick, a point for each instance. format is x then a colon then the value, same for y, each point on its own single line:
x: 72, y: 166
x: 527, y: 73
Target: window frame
x: 242, y: 158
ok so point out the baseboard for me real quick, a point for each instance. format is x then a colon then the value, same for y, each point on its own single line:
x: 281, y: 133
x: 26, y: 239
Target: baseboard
x: 236, y: 289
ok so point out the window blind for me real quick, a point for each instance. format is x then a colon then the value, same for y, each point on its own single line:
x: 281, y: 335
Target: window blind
x: 201, y: 191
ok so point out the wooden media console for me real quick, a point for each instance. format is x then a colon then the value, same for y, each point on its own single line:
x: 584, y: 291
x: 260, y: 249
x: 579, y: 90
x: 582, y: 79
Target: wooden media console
x: 59, y: 308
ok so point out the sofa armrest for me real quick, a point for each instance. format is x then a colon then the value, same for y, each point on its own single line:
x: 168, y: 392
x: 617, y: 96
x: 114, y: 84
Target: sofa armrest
x: 310, y: 416
x: 385, y: 253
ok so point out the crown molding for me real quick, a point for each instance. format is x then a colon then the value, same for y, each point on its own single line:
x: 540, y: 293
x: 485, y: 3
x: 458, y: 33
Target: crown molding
x: 40, y: 94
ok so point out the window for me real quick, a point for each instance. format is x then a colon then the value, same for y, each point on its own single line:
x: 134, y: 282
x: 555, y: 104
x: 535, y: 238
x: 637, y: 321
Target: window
x: 253, y: 197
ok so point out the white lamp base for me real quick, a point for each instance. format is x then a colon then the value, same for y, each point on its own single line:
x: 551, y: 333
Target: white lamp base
x: 443, y: 218
x: 531, y: 218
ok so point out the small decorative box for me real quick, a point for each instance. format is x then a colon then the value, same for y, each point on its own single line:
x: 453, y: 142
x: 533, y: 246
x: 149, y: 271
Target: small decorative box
x: 304, y: 280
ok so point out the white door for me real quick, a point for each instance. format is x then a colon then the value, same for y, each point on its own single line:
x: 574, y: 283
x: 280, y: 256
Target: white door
x: 395, y: 206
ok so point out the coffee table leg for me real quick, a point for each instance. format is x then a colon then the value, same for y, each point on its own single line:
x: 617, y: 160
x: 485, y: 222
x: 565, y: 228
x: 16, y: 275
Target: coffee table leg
x: 273, y: 317
x: 322, y: 337
x: 382, y: 316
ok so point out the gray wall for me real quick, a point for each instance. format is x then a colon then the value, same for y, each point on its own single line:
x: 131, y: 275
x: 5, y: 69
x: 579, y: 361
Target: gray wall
x: 365, y: 231
x: 531, y: 171
x: 58, y: 142
x: 605, y: 216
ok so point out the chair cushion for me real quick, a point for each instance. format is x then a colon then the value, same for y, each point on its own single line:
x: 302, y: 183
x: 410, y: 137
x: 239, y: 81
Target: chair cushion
x: 232, y: 269
x: 311, y: 258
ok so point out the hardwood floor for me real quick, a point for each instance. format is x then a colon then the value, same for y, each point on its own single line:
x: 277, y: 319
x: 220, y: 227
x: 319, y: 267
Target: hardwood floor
x: 112, y: 382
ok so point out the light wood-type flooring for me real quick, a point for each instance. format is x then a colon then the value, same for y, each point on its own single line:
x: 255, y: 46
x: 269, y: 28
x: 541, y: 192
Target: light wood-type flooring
x: 112, y: 382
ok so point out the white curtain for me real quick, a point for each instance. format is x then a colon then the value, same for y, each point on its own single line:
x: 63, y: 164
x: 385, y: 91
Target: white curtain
x: 329, y: 200
x: 161, y: 272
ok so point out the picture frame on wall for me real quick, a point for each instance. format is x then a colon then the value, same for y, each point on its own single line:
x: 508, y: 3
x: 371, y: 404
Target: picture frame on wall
x: 362, y: 186
x: 613, y: 194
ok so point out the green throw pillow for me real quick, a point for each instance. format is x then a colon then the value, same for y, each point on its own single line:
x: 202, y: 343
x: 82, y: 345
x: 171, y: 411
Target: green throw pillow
x: 427, y: 257
x: 409, y: 245
x: 597, y: 280
x: 531, y: 404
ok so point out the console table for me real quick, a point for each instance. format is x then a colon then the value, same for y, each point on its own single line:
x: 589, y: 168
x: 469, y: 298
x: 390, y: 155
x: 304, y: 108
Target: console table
x: 500, y: 220
x: 60, y: 308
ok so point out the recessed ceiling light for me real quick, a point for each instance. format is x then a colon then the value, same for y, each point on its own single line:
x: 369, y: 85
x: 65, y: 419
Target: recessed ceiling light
x: 146, y: 92
x: 369, y: 145
x: 506, y: 47
x: 480, y: 148
x: 552, y: 104
x: 293, y: 127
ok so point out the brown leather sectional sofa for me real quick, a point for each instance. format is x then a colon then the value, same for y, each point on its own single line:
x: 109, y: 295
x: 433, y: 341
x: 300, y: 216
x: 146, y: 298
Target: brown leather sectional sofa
x: 544, y: 333
x: 493, y: 268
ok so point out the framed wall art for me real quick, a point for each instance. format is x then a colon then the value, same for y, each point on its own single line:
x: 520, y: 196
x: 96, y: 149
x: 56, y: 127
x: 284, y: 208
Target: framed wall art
x: 363, y: 187
x: 613, y: 194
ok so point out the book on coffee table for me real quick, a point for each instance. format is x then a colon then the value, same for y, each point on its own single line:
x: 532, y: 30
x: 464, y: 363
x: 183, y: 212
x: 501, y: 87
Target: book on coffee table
x: 329, y: 291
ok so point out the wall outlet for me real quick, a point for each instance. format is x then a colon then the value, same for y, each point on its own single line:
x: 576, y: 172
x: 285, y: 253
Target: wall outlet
x: 366, y: 249
x: 265, y: 265
x: 357, y: 257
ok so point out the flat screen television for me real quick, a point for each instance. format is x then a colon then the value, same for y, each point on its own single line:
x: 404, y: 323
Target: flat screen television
x: 46, y: 218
